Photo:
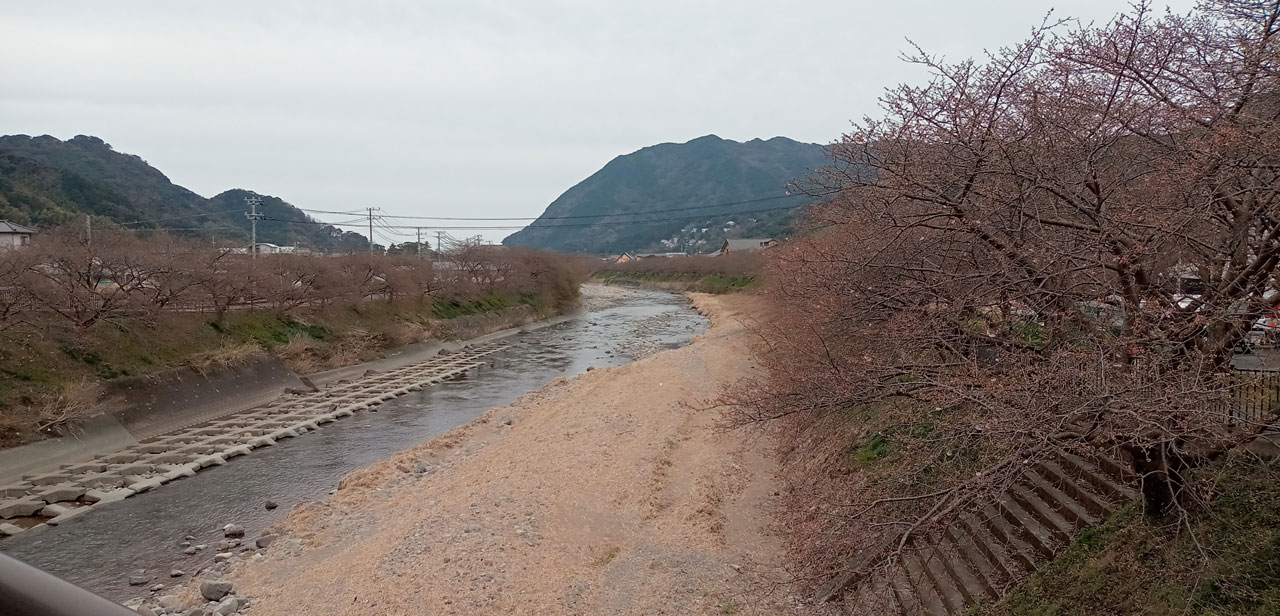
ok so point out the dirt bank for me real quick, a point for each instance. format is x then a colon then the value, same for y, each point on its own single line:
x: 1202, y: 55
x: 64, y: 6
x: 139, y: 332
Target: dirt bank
x: 608, y: 494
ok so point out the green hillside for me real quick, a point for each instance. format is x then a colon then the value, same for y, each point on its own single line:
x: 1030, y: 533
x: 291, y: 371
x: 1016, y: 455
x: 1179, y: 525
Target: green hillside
x: 45, y: 181
x: 638, y: 192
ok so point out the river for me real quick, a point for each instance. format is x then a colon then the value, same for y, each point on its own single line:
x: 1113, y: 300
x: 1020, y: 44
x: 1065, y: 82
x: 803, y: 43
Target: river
x: 102, y: 550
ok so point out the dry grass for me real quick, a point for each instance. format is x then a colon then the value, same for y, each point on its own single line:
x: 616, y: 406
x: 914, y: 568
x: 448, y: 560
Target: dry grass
x: 402, y: 333
x: 74, y: 403
x: 225, y: 355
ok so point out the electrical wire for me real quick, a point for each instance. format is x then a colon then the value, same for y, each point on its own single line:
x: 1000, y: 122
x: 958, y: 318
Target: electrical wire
x: 536, y: 225
x: 663, y: 211
x: 139, y: 222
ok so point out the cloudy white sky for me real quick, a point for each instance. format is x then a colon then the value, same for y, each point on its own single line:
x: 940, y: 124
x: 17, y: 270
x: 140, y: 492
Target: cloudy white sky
x: 465, y: 108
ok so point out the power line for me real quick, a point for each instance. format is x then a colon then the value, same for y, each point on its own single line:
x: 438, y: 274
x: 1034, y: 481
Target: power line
x: 663, y: 211
x: 139, y: 222
x: 536, y: 225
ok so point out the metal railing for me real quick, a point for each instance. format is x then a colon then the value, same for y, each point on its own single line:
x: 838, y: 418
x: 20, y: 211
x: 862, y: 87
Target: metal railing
x: 27, y: 591
x: 1254, y: 397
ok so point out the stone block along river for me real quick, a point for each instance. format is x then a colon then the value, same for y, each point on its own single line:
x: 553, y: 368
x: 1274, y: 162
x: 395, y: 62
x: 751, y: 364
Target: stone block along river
x: 104, y: 549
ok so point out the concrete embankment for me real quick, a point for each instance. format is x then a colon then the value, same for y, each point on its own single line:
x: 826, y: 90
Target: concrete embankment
x: 157, y: 428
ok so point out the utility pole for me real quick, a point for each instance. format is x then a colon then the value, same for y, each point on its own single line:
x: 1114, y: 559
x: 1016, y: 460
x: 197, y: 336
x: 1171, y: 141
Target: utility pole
x: 370, y: 230
x: 440, y: 241
x: 419, y: 243
x: 253, y: 201
x: 88, y: 231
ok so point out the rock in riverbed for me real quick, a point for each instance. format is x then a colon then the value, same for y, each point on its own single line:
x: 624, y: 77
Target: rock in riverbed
x: 233, y: 530
x: 214, y: 590
x: 269, y: 505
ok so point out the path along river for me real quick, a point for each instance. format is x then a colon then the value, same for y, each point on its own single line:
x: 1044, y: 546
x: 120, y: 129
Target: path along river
x: 102, y: 550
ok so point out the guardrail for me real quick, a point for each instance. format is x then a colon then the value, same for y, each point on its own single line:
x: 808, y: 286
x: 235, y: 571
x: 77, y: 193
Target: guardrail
x: 27, y: 591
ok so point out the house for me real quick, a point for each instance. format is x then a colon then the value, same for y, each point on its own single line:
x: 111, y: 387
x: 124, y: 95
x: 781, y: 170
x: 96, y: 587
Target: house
x: 625, y: 257
x: 14, y: 235
x: 265, y: 248
x: 752, y: 244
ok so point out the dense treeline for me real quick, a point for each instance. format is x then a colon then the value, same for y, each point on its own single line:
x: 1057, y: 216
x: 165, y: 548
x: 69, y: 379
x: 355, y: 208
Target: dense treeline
x: 82, y: 279
x: 1015, y: 277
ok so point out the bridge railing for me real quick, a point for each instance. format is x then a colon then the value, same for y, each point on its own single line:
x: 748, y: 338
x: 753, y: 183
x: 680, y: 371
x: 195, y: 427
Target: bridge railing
x: 27, y: 591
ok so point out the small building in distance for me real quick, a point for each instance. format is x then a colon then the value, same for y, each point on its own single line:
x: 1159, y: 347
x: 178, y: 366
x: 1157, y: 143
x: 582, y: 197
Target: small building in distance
x: 13, y: 235
x: 625, y: 257
x: 747, y: 244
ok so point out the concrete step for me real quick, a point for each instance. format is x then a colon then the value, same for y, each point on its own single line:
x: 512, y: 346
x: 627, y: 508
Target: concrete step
x: 988, y: 574
x: 1066, y: 505
x: 1005, y: 569
x: 904, y: 593
x: 1095, y: 503
x: 1010, y: 536
x: 952, y: 595
x: 928, y: 600
x: 1060, y: 529
x: 962, y: 572
x: 1096, y: 477
x: 1036, y: 535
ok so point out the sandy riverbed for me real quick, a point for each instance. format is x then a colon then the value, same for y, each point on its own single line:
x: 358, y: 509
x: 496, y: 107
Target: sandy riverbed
x: 608, y: 494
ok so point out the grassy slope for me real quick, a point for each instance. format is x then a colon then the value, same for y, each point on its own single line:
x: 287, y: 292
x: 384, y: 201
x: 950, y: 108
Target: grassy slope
x: 37, y: 363
x: 1229, y: 564
x: 684, y: 281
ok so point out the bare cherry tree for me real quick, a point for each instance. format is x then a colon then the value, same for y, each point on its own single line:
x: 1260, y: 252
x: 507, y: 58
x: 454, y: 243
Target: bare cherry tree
x: 1057, y: 247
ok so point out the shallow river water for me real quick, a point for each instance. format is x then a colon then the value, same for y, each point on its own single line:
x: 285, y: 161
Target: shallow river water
x: 101, y: 550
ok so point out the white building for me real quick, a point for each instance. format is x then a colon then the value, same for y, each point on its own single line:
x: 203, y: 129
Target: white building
x: 14, y: 235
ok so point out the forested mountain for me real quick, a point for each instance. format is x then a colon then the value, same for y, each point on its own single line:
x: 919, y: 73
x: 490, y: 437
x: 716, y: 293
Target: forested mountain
x: 673, y: 196
x: 45, y: 181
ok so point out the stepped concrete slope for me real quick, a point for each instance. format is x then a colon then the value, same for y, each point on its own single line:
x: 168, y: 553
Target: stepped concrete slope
x: 141, y: 407
x: 75, y: 488
x: 980, y: 556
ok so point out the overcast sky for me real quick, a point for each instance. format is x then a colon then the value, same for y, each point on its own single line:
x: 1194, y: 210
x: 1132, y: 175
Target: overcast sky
x: 468, y: 108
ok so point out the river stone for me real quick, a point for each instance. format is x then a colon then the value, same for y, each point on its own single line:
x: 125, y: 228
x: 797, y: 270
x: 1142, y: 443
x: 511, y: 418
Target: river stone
x: 9, y: 530
x: 168, y: 603
x: 269, y: 505
x: 265, y: 540
x: 157, y: 588
x: 144, y: 610
x: 177, y: 573
x: 229, y: 606
x: 214, y: 590
x: 138, y: 580
x: 233, y: 530
x: 189, y: 551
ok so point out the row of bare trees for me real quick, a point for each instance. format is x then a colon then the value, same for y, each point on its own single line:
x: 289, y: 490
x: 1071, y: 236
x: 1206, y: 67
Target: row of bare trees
x: 998, y: 274
x: 80, y: 280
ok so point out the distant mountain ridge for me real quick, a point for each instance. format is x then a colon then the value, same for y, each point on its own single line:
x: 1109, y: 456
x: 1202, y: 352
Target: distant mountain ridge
x: 45, y: 181
x: 678, y: 197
